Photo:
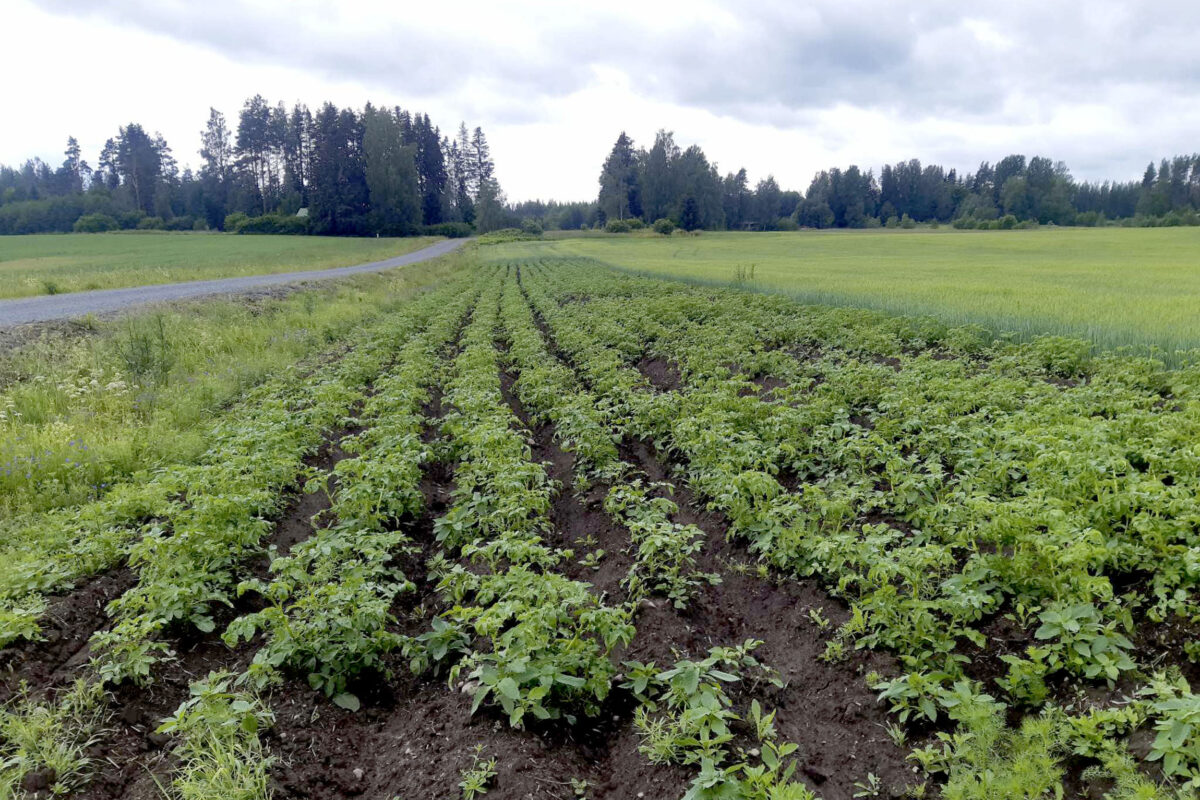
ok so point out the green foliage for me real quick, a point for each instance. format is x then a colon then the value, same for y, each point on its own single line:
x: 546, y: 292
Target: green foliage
x: 286, y: 224
x: 1176, y: 714
x: 52, y: 738
x: 478, y: 777
x: 218, y: 748
x: 664, y: 226
x: 94, y: 223
x: 617, y: 226
x: 505, y: 235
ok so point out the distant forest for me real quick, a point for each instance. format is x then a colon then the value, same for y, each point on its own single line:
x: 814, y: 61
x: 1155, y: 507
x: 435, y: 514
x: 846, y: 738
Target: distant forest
x: 375, y: 171
x: 388, y: 171
x: 640, y: 186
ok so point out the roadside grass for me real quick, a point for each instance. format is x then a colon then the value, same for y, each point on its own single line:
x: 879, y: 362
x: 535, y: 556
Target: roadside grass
x: 59, y: 263
x: 1116, y: 287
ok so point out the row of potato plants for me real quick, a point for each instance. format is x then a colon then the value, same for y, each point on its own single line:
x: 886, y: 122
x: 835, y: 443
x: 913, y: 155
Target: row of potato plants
x: 664, y: 551
x: 521, y: 634
x: 683, y: 714
x: 210, y: 520
x: 903, y: 580
x: 329, y: 615
x: 263, y: 432
x: 330, y: 597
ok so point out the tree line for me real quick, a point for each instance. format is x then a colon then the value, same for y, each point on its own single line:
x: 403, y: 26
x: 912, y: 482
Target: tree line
x: 339, y: 171
x: 681, y: 185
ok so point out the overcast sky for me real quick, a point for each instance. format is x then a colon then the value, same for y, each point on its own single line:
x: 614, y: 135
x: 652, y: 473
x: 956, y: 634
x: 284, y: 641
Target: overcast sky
x: 787, y: 88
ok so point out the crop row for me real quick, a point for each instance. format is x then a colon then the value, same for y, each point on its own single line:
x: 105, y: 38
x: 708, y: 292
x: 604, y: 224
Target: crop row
x: 684, y: 714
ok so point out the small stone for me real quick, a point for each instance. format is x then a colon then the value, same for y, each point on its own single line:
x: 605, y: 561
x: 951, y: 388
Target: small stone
x: 469, y: 687
x: 358, y: 773
x: 753, y: 752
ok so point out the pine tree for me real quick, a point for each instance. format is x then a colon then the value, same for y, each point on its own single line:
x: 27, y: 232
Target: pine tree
x: 620, y: 188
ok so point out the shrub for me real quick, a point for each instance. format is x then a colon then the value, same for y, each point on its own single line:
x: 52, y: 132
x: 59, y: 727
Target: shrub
x: 234, y: 221
x: 151, y: 224
x: 617, y: 226
x: 1007, y: 222
x: 893, y: 221
x: 129, y: 220
x: 507, y: 235
x: 183, y: 223
x: 964, y: 223
x: 199, y: 225
x: 636, y: 224
x: 94, y: 223
x: 532, y: 227
x: 907, y: 222
x: 786, y: 224
x: 663, y: 226
x: 274, y: 223
x: 451, y: 230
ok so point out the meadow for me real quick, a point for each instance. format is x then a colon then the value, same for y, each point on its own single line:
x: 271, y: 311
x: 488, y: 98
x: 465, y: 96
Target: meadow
x: 1114, y: 286
x: 518, y: 524
x: 57, y: 263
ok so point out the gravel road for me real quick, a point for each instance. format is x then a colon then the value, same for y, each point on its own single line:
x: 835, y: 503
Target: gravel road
x: 67, y: 306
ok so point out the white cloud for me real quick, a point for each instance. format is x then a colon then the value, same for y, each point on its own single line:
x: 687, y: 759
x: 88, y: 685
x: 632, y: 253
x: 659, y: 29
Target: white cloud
x: 781, y: 87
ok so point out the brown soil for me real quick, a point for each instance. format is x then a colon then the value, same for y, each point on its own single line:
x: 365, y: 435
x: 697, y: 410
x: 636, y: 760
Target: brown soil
x: 661, y: 373
x: 68, y: 622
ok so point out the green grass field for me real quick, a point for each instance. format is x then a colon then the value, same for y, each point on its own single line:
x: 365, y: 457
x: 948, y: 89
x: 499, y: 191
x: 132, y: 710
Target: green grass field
x: 53, y: 263
x: 1136, y: 287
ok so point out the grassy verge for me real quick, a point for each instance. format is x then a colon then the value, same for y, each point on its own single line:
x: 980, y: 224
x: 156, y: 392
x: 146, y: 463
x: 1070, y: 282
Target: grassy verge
x: 55, y: 263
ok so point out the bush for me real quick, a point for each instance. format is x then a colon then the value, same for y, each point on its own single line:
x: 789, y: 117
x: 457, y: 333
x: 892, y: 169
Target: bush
x: 964, y: 224
x: 184, y: 223
x: 94, y: 223
x: 636, y: 224
x: 507, y: 235
x: 532, y: 227
x: 151, y: 224
x: 1007, y: 223
x: 234, y: 221
x: 1089, y: 219
x: 451, y: 230
x: 274, y: 223
x: 617, y: 226
x: 892, y: 222
x: 199, y: 225
x: 663, y: 226
x: 786, y: 224
x: 129, y: 220
x: 907, y: 222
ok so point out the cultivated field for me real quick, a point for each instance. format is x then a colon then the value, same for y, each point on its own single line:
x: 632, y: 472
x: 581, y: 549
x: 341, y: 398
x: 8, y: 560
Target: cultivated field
x: 553, y: 530
x: 1115, y: 286
x: 54, y: 263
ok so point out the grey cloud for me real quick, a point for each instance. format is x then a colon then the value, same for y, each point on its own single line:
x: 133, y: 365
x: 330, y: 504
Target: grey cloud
x: 774, y: 63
